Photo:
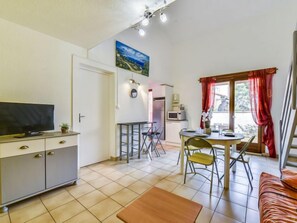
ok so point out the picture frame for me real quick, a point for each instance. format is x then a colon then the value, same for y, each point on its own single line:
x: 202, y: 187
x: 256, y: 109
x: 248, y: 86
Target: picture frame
x: 131, y: 59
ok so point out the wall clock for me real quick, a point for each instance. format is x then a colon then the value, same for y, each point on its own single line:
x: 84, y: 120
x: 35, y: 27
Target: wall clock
x: 133, y: 93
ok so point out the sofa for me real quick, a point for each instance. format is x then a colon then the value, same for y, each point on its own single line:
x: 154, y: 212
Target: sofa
x: 278, y: 197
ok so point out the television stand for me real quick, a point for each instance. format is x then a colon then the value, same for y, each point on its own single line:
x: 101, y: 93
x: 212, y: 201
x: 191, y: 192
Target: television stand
x: 29, y: 134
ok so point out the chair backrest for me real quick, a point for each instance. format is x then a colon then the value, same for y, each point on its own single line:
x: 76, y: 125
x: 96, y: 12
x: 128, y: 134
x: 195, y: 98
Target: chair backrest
x: 246, y: 146
x: 198, y: 143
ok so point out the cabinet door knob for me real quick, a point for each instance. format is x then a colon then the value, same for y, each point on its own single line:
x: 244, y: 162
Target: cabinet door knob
x: 62, y: 142
x: 24, y: 147
x: 51, y: 153
x: 38, y: 156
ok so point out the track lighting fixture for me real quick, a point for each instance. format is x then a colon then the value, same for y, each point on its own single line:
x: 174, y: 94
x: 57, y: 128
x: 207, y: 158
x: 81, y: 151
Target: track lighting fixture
x: 141, y: 32
x: 148, y: 14
x: 163, y: 17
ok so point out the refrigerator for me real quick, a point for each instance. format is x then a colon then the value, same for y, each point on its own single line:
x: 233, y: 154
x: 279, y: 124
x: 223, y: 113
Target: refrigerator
x: 159, y: 114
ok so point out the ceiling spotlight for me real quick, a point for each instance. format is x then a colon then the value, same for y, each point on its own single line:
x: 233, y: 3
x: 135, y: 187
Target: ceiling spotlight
x: 145, y: 22
x: 141, y: 32
x: 163, y: 17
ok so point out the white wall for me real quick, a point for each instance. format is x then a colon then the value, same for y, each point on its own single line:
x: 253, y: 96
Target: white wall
x: 260, y: 42
x: 155, y: 45
x: 36, y: 68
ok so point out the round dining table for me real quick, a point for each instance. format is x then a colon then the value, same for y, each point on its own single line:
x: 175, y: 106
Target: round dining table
x: 214, y: 139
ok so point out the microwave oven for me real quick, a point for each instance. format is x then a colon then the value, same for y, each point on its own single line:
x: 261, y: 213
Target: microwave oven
x: 176, y: 115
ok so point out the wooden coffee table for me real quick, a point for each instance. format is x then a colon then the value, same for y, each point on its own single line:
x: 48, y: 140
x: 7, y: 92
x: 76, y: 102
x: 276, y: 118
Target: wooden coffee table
x: 160, y: 206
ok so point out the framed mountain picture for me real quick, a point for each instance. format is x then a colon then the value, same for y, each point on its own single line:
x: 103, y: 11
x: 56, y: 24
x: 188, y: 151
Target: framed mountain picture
x: 131, y: 59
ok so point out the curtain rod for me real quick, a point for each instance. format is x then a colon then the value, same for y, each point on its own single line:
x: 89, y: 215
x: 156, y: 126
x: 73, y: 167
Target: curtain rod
x: 237, y: 73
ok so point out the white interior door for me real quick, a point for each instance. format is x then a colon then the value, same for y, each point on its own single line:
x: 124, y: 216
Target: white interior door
x: 91, y: 114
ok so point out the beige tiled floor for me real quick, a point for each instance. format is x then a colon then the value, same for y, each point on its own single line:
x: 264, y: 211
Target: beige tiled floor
x: 106, y: 188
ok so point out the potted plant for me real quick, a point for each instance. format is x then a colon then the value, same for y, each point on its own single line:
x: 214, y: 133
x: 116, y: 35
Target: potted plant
x: 64, y: 127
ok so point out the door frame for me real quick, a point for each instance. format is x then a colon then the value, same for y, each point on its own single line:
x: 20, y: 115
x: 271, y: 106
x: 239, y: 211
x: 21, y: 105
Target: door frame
x: 80, y: 63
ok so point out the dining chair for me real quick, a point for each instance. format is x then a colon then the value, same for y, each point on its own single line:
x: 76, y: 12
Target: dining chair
x: 201, y: 158
x: 191, y: 148
x: 241, y: 157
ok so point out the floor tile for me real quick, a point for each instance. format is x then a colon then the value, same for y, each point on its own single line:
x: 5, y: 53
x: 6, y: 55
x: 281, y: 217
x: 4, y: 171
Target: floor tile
x: 67, y: 211
x: 90, y: 176
x: 92, y: 198
x: 113, y: 218
x: 219, y: 218
x: 111, y: 188
x: 253, y: 203
x: 194, y: 184
x: 52, y: 201
x: 115, y: 175
x: 124, y: 196
x: 138, y: 174
x: 105, y: 208
x: 149, y: 169
x: 166, y: 185
x: 139, y: 187
x: 235, y: 197
x: 4, y: 219
x: 126, y: 180
x: 216, y: 191
x: 252, y: 216
x: 205, y: 215
x: 27, y: 213
x: 206, y: 200
x: 24, y: 203
x: 84, y: 171
x: 185, y: 192
x: 177, y: 178
x: 45, y: 218
x: 151, y: 179
x: 83, y: 217
x: 100, y: 182
x: 231, y: 210
x: 161, y: 173
x: 81, y: 190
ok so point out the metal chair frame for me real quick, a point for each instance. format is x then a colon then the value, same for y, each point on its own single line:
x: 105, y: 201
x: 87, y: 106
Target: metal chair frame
x: 240, y: 158
x: 200, y: 143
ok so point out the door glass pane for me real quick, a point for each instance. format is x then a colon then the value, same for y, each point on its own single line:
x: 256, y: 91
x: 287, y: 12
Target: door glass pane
x: 221, y: 106
x: 243, y: 122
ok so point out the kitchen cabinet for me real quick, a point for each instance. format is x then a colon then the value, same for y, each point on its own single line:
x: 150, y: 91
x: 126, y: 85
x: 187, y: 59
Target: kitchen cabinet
x: 61, y: 160
x: 29, y: 166
x: 172, y: 131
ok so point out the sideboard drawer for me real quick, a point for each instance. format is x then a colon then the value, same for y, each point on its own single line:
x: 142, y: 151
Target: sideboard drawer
x: 60, y: 142
x: 21, y: 148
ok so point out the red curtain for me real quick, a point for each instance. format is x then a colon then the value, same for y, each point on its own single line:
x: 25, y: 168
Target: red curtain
x: 261, y: 99
x: 208, y: 90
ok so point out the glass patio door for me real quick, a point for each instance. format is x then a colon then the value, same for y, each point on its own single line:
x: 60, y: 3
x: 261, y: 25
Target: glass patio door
x: 232, y: 111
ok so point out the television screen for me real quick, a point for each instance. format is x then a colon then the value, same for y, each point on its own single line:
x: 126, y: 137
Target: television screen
x: 16, y: 118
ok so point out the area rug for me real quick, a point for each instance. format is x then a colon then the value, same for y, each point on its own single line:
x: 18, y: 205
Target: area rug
x: 160, y: 206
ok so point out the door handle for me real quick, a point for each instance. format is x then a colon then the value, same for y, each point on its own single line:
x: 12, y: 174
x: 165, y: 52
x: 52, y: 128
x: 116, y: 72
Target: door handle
x: 80, y: 117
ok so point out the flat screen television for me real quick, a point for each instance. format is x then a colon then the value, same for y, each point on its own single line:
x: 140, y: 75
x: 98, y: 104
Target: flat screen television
x: 29, y: 119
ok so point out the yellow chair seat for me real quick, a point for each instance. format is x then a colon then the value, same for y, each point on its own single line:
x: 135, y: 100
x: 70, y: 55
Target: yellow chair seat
x: 202, y: 158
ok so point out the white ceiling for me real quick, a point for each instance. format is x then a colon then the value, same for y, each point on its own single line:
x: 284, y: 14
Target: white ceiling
x: 81, y: 22
x: 86, y: 23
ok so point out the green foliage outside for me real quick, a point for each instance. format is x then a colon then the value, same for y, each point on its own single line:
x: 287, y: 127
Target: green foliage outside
x: 242, y: 98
